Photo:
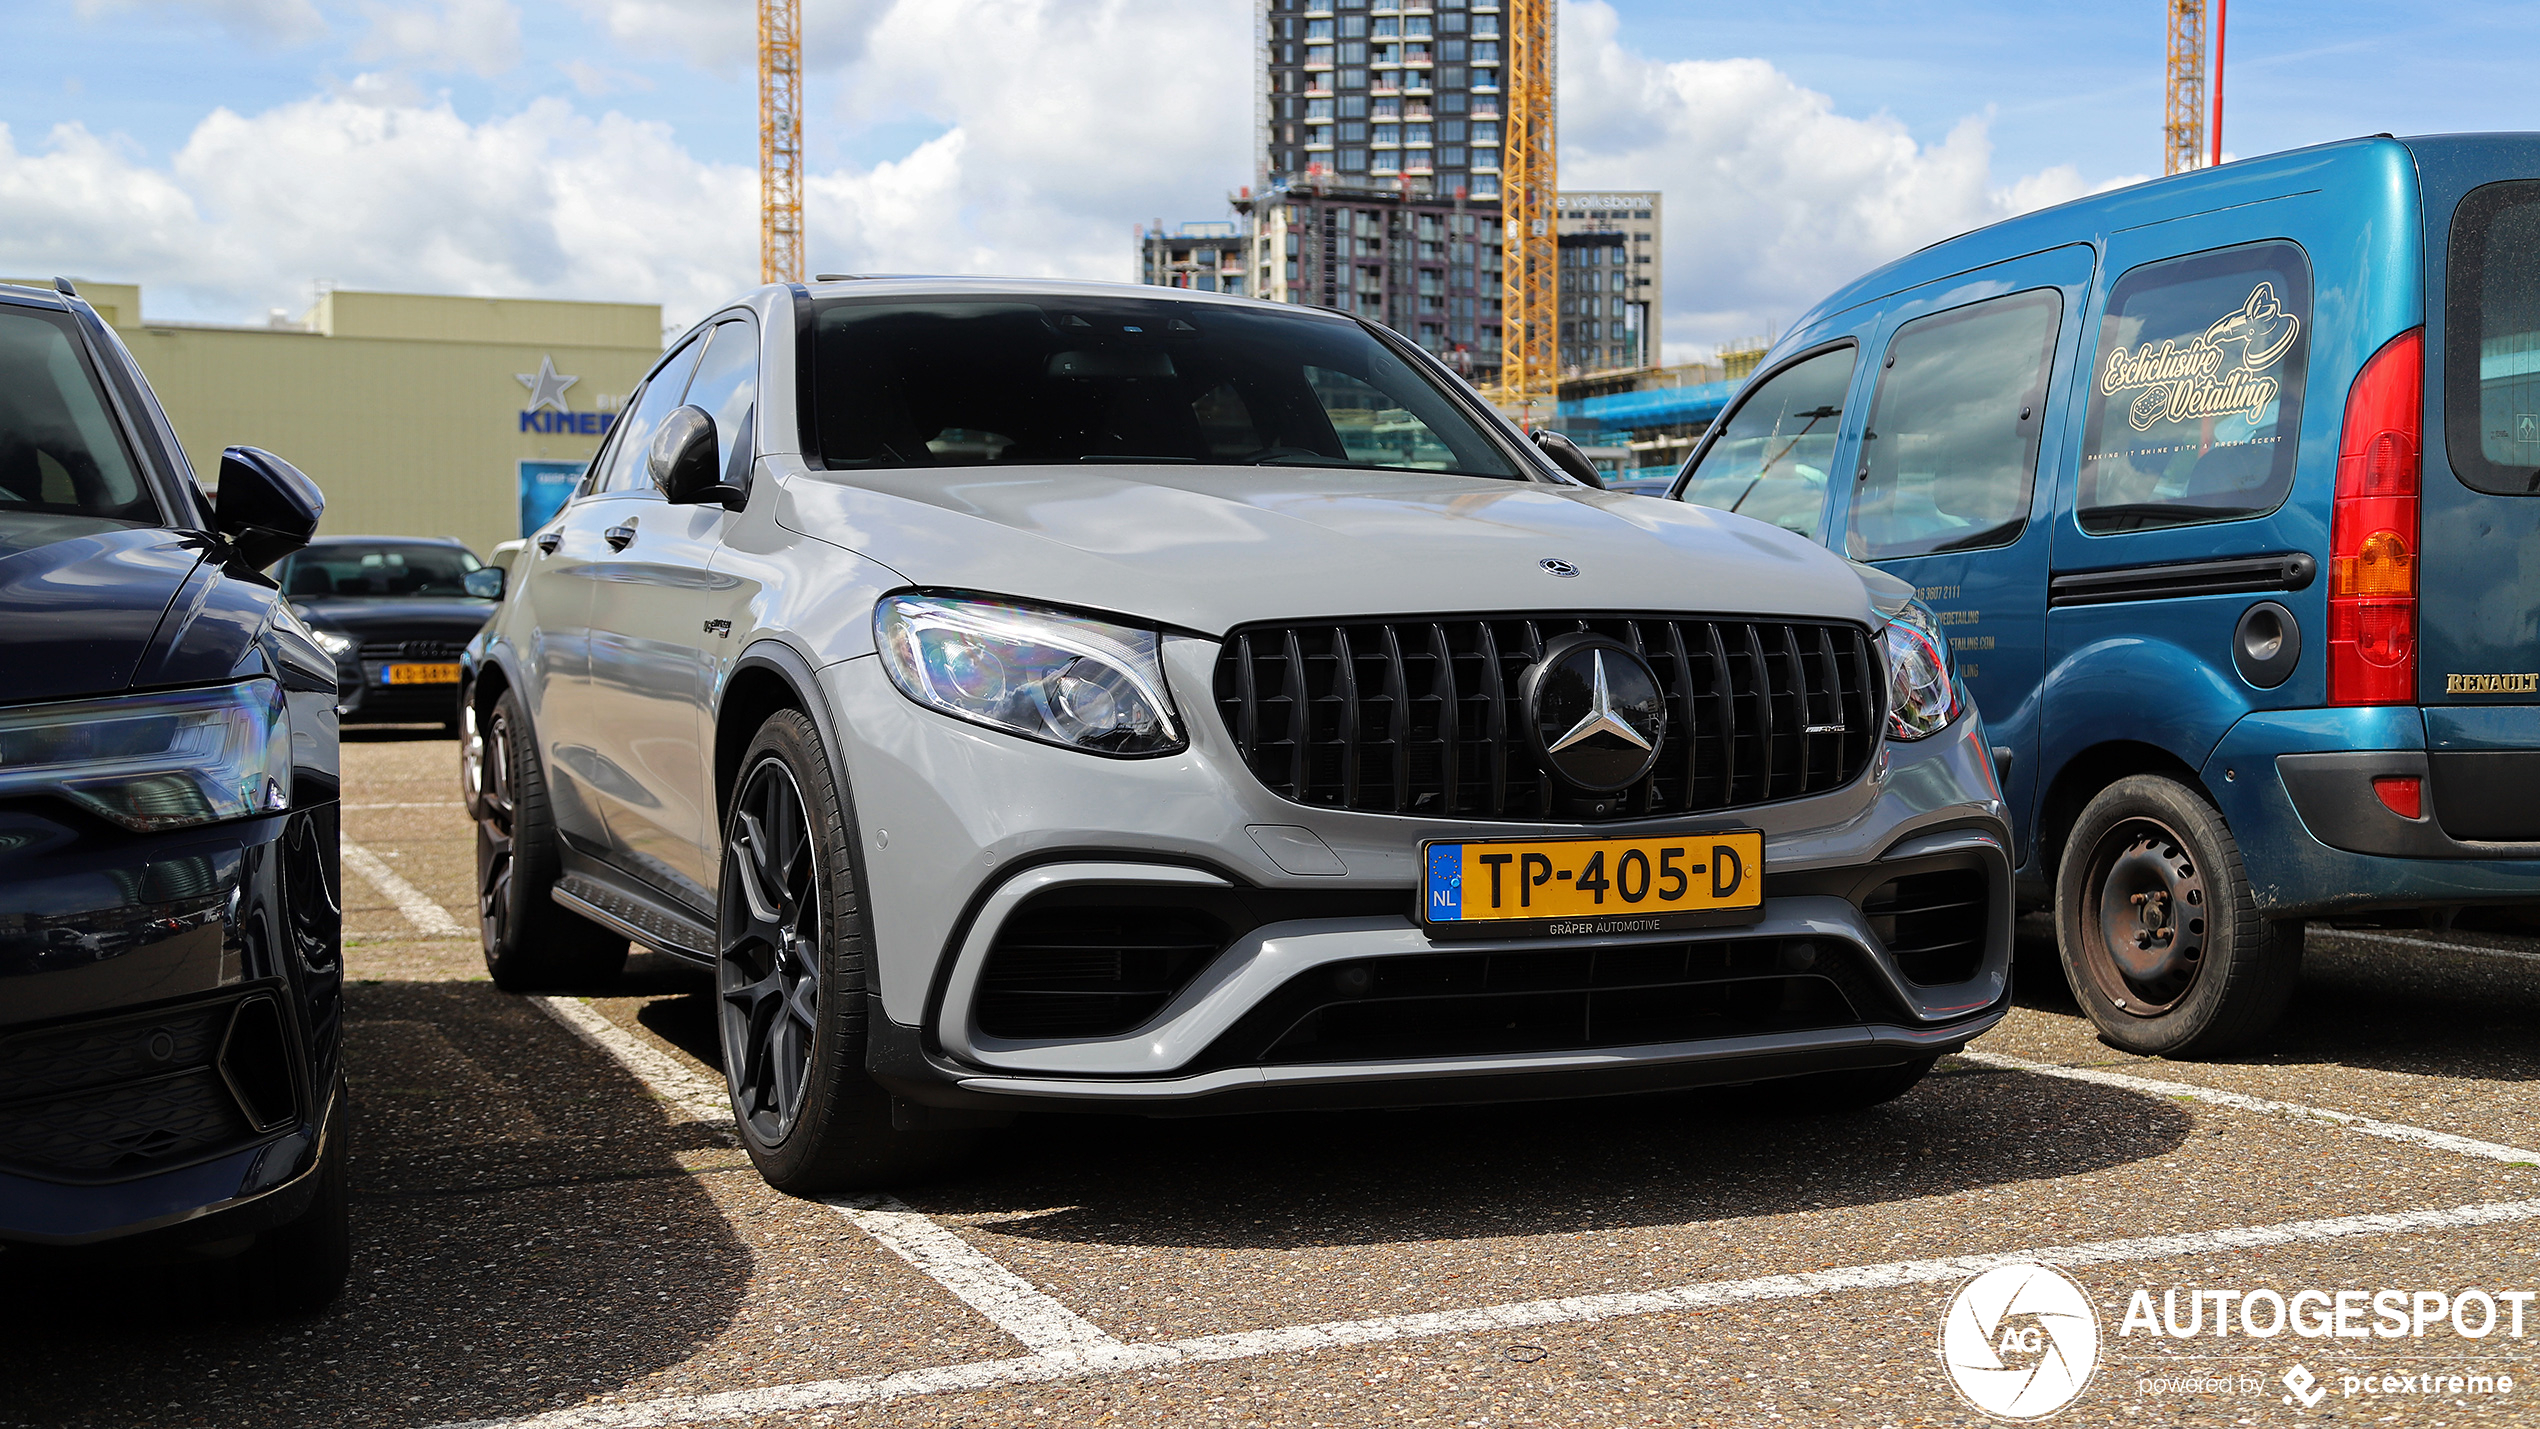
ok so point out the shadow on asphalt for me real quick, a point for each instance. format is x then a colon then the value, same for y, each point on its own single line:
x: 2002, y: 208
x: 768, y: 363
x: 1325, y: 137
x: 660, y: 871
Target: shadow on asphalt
x: 525, y: 1237
x: 394, y: 733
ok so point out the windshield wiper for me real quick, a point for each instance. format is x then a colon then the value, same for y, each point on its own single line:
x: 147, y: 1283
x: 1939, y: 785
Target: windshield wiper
x: 1109, y: 459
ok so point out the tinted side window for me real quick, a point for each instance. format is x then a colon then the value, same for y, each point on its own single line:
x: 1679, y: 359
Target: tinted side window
x: 61, y: 452
x: 661, y: 397
x: 726, y: 385
x: 2491, y: 340
x: 1950, y: 454
x: 1771, y: 457
x: 2196, y: 396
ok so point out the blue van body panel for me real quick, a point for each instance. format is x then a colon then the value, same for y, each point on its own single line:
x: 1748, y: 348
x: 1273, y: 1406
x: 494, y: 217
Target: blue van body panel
x: 2090, y: 691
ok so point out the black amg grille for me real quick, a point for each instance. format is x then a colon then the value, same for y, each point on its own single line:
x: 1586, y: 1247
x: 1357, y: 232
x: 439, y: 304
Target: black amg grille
x: 412, y: 649
x: 1422, y: 716
x: 1484, y: 1003
x: 1090, y: 971
x: 1933, y: 923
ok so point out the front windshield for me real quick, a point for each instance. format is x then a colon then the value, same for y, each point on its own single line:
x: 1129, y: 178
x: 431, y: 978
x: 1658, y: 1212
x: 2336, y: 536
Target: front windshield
x: 63, y: 466
x: 1036, y: 381
x: 381, y: 571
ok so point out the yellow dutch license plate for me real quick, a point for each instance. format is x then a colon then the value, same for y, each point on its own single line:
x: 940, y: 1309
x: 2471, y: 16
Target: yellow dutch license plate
x: 430, y: 674
x: 1596, y: 885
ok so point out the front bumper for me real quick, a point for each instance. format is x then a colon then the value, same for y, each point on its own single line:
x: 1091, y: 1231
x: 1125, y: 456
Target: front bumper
x: 170, y: 1020
x: 965, y: 831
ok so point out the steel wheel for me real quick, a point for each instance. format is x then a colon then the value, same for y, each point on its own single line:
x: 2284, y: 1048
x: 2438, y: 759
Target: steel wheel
x: 2144, y: 941
x: 769, y: 972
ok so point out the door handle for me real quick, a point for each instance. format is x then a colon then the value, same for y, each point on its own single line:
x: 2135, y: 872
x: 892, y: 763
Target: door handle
x: 619, y: 536
x: 548, y: 541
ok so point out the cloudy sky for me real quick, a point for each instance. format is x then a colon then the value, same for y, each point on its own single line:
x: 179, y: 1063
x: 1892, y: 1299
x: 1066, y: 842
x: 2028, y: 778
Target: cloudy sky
x: 230, y: 154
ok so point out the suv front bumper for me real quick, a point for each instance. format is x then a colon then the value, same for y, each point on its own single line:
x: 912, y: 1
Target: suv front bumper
x: 963, y: 829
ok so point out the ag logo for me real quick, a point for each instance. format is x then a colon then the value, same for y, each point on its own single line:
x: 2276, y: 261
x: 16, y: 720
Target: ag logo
x: 2020, y: 1342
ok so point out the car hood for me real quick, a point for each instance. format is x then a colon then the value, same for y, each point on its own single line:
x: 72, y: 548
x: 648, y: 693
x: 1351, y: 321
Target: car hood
x: 1210, y: 548
x: 452, y: 618
x: 96, y: 609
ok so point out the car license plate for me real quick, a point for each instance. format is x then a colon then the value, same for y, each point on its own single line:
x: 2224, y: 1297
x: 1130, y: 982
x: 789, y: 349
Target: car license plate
x: 1595, y: 885
x: 432, y: 674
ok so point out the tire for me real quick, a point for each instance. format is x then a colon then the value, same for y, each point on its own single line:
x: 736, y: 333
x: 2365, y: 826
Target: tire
x: 793, y: 945
x: 300, y: 1266
x: 531, y: 944
x: 2160, y: 935
x: 1826, y: 1093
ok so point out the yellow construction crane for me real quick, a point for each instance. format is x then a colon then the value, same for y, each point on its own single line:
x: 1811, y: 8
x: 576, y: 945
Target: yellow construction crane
x: 2183, y: 123
x: 1529, y: 239
x: 780, y: 141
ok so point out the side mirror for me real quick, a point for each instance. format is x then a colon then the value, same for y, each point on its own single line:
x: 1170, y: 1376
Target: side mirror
x: 267, y: 508
x: 1566, y: 455
x: 485, y: 582
x: 687, y: 464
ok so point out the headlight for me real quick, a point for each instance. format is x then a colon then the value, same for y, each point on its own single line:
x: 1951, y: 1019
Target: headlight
x: 1043, y: 674
x: 1922, y: 690
x: 158, y: 761
x: 334, y: 642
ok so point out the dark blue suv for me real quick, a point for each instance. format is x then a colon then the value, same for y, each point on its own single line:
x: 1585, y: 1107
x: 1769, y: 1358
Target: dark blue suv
x: 2226, y: 490
x: 170, y: 928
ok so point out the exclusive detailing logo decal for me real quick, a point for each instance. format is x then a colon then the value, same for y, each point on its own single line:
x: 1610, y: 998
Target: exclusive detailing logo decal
x: 2020, y: 1342
x: 2215, y: 374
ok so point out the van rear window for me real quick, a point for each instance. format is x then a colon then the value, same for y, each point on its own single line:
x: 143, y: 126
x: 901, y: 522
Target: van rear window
x: 2491, y: 339
x: 2196, y: 397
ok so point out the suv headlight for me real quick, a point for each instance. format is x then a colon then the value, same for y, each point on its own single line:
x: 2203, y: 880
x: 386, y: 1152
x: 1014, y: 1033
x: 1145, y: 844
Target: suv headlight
x: 1922, y: 688
x: 156, y: 761
x: 1028, y: 670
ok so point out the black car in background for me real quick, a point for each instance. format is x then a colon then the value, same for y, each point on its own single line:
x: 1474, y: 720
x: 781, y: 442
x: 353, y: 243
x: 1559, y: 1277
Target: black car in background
x: 394, y: 611
x: 170, y: 921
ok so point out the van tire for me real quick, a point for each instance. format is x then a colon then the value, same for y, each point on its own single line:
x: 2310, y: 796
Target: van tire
x: 532, y: 944
x: 2160, y: 934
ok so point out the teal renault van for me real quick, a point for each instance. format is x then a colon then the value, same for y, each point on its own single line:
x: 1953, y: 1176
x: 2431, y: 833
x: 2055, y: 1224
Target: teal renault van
x: 2225, y: 489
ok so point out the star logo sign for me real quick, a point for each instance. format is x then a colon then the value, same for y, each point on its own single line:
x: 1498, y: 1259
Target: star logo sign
x: 1601, y: 717
x: 546, y: 385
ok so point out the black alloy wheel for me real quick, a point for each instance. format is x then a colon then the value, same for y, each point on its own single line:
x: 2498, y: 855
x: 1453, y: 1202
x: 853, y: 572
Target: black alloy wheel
x: 531, y: 944
x: 793, y: 949
x: 768, y: 977
x: 2160, y: 933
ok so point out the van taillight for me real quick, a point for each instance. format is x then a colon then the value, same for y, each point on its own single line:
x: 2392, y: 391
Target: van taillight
x: 2372, y: 543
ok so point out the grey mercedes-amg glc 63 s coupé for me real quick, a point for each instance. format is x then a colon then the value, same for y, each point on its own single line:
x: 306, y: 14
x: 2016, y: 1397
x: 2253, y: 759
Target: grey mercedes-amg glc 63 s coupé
x: 1037, y: 696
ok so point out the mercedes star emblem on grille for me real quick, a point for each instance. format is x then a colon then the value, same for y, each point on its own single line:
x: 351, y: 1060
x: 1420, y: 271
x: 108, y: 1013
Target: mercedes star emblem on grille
x: 1596, y: 711
x: 1558, y: 566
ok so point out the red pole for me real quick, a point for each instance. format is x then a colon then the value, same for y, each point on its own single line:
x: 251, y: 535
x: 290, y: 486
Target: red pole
x: 2222, y: 21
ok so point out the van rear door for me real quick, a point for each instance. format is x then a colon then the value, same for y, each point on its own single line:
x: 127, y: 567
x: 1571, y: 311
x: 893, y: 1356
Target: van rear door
x: 2478, y: 615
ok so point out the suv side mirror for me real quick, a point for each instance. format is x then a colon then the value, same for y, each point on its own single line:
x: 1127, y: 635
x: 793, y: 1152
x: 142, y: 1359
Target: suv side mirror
x: 687, y: 464
x: 1566, y: 455
x: 485, y: 582
x: 267, y: 508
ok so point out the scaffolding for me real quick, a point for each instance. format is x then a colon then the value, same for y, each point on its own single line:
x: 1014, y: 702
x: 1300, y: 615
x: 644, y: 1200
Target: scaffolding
x: 2183, y: 125
x: 780, y: 141
x: 1530, y: 354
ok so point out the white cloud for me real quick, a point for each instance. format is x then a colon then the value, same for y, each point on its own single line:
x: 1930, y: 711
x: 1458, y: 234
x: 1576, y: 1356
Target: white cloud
x: 482, y: 36
x: 596, y: 80
x: 721, y: 36
x: 273, y: 23
x: 1772, y: 198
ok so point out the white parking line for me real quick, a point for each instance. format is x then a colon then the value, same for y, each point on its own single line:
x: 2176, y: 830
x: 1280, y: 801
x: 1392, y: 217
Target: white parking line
x: 2389, y: 1130
x: 1118, y: 1358
x: 429, y: 918
x: 696, y: 1096
x: 1013, y: 1303
x: 2405, y: 940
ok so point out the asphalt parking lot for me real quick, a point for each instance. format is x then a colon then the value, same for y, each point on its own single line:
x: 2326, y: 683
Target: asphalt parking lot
x: 553, y: 1230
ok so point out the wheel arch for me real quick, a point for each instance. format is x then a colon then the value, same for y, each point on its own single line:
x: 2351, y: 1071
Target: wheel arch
x: 770, y: 676
x: 2091, y: 770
